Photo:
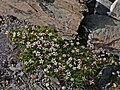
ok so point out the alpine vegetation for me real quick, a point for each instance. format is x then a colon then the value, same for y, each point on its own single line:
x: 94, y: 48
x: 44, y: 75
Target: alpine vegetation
x: 67, y: 60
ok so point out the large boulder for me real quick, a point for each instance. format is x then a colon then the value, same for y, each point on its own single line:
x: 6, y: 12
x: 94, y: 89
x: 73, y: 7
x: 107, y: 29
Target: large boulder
x: 65, y: 15
x: 105, y: 32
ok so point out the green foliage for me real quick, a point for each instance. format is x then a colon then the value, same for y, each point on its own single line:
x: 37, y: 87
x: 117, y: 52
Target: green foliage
x: 68, y: 61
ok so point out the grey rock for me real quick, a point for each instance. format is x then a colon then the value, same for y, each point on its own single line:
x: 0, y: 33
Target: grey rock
x: 20, y: 74
x: 14, y: 68
x: 105, y: 32
x: 106, y: 75
x: 104, y: 6
x: 37, y: 87
x: 19, y: 65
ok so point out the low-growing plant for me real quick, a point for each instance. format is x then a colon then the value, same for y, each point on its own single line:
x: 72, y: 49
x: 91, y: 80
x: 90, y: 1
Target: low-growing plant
x: 66, y: 60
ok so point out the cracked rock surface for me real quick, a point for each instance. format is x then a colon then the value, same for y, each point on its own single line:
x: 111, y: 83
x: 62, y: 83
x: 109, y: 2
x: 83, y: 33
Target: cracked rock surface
x: 65, y: 15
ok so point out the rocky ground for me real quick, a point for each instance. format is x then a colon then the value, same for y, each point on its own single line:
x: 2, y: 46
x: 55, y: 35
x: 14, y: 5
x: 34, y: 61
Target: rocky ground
x: 12, y: 76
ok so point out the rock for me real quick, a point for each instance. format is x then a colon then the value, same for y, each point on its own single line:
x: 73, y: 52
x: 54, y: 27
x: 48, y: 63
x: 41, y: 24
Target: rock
x: 106, y: 75
x: 104, y: 7
x: 65, y: 15
x: 105, y: 32
x: 19, y: 65
x: 55, y: 80
x: 37, y: 87
x: 14, y: 68
x: 20, y: 74
x: 116, y: 11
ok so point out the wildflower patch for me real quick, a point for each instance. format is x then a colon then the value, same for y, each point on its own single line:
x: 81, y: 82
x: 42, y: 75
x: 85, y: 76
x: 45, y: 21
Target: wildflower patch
x: 66, y: 60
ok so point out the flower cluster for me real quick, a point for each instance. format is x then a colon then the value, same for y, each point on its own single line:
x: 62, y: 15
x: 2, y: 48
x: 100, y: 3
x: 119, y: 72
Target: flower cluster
x: 68, y: 61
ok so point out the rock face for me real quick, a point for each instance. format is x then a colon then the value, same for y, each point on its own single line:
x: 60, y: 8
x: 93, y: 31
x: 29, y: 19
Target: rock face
x: 105, y: 32
x: 104, y: 7
x: 65, y: 15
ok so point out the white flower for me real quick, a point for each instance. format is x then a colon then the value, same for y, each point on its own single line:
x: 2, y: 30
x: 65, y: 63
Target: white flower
x: 32, y: 33
x: 55, y: 70
x: 118, y: 72
x: 63, y: 38
x: 46, y: 49
x: 18, y: 33
x: 34, y: 51
x: 104, y: 59
x: 68, y: 74
x: 45, y: 70
x: 70, y: 65
x: 73, y: 51
x: 88, y: 57
x: 66, y: 43
x: 91, y: 82
x: 41, y: 61
x: 25, y: 62
x: 83, y: 47
x: 14, y: 34
x: 55, y: 63
x: 57, y: 45
x: 64, y: 55
x: 60, y: 58
x: 34, y: 44
x: 118, y: 75
x: 24, y: 37
x: 77, y: 50
x: 63, y: 67
x: 70, y: 58
x: 50, y: 34
x: 77, y: 43
x: 55, y: 39
x: 26, y: 26
x: 72, y: 79
x: 59, y: 64
x: 78, y: 67
x: 37, y: 53
x: 41, y: 38
x: 66, y: 77
x: 59, y: 68
x: 74, y: 68
x: 71, y: 44
x: 27, y: 46
x: 31, y: 61
x: 78, y: 39
x: 28, y: 43
x: 48, y: 66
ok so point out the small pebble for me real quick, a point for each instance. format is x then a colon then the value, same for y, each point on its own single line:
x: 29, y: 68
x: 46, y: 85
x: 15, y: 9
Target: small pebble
x: 47, y: 84
x: 63, y: 87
